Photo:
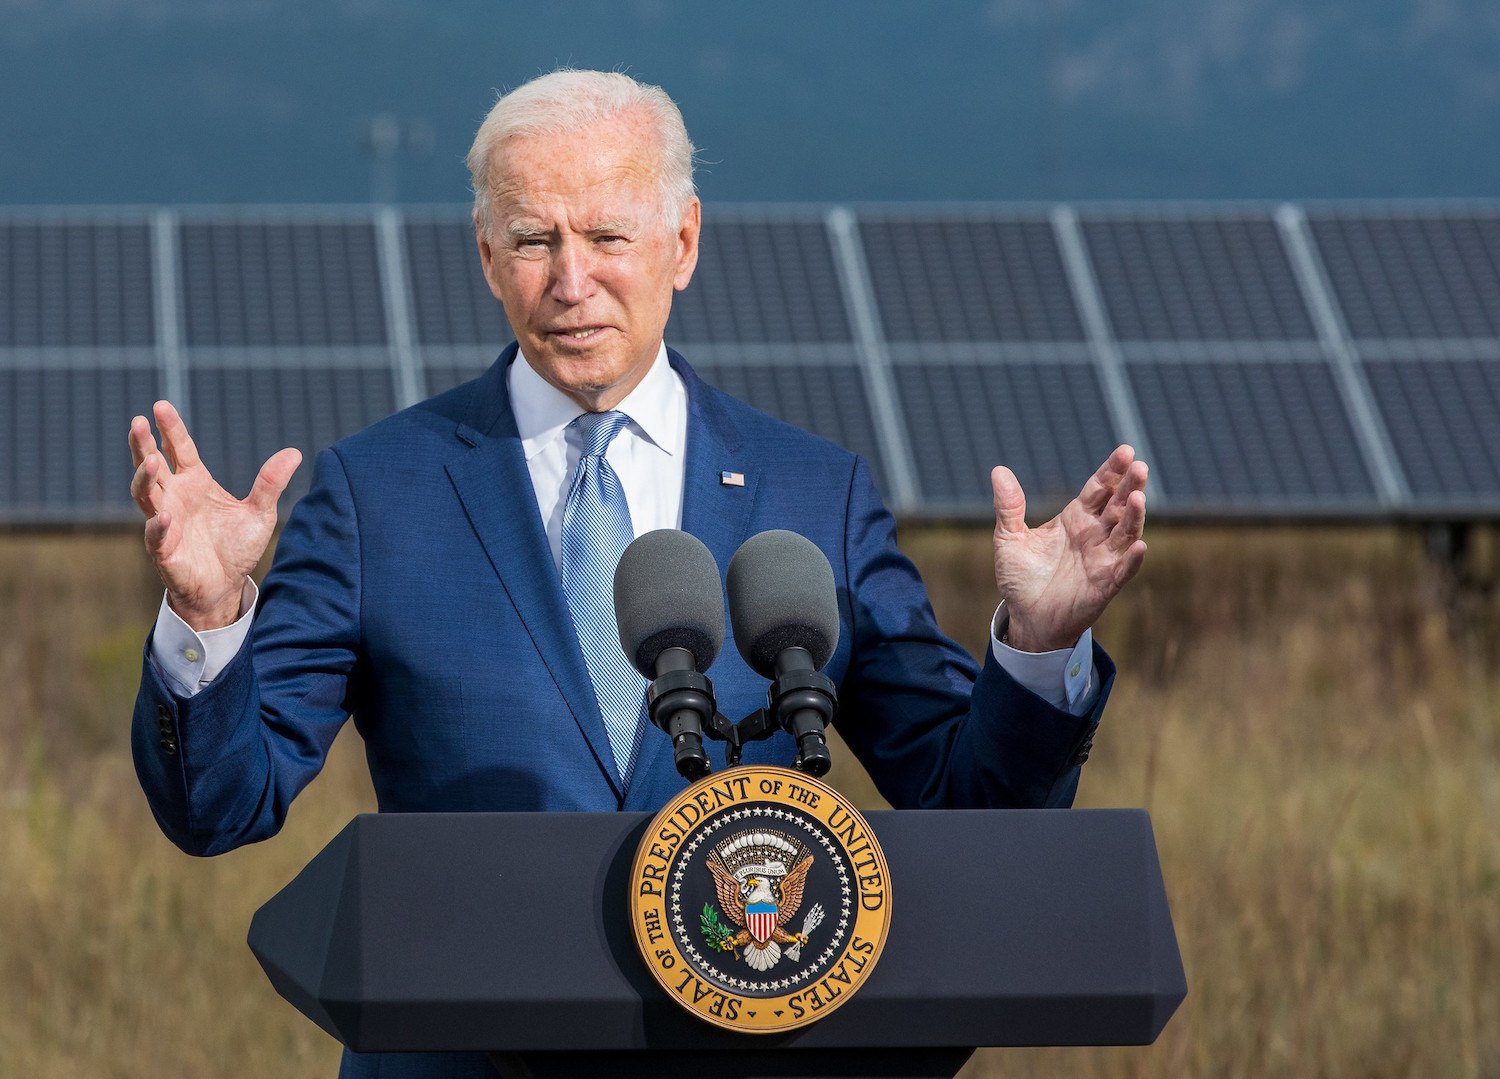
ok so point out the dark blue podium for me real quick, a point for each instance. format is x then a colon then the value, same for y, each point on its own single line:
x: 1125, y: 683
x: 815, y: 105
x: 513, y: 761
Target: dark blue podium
x: 509, y: 933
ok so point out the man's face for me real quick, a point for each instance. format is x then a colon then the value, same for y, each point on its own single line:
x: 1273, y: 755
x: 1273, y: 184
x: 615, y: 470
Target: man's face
x: 582, y: 257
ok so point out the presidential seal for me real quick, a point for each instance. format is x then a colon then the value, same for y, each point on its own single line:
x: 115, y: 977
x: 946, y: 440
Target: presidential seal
x: 760, y: 899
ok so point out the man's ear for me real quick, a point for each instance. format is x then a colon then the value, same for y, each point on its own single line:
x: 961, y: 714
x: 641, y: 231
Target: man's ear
x: 687, y: 244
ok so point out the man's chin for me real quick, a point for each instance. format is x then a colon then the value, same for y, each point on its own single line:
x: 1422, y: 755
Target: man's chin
x: 594, y: 389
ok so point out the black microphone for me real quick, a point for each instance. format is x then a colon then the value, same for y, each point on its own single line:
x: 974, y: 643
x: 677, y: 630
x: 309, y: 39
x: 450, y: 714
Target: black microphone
x: 783, y: 605
x: 669, y: 606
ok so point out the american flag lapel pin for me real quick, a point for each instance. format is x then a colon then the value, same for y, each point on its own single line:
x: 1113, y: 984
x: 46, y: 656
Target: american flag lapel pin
x: 732, y: 479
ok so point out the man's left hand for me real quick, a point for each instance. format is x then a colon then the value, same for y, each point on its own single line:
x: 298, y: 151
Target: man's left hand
x: 1057, y: 579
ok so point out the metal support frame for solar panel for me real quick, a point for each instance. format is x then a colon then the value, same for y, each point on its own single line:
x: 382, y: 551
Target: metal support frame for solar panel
x: 1121, y: 401
x: 272, y: 360
x: 1240, y: 399
x: 389, y: 239
x: 905, y: 495
x: 168, y: 315
x: 1332, y: 334
x: 987, y: 351
x: 1435, y: 449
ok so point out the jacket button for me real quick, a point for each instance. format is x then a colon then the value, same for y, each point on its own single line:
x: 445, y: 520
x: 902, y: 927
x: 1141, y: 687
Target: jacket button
x: 1083, y: 750
x: 162, y: 713
x: 169, y: 746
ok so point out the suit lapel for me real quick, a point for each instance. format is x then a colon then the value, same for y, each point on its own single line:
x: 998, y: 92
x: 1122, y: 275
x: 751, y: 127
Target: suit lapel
x: 494, y: 485
x: 718, y: 514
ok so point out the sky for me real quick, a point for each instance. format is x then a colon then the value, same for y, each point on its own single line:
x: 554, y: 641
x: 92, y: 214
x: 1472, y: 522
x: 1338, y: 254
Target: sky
x: 210, y: 101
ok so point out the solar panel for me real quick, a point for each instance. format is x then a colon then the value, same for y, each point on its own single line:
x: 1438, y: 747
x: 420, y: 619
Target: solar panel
x: 1413, y: 276
x: 452, y: 304
x: 762, y: 281
x: 1200, y: 278
x: 1250, y: 435
x: 289, y: 284
x: 243, y: 414
x: 971, y: 278
x: 976, y: 333
x: 62, y: 430
x: 1046, y: 421
x: 75, y: 284
x: 1442, y: 416
x: 827, y: 399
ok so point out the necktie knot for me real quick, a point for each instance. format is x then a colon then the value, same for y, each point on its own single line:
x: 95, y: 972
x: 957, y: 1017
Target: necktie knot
x: 599, y: 430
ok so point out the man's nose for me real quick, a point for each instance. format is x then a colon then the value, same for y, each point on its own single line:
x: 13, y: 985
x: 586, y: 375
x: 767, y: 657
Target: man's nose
x: 572, y: 273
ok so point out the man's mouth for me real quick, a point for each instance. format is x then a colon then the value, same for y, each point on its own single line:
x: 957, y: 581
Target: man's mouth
x: 583, y: 334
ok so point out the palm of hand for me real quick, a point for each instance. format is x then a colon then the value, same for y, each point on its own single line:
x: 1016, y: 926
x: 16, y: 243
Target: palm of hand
x: 217, y: 543
x: 1056, y: 579
x: 204, y: 541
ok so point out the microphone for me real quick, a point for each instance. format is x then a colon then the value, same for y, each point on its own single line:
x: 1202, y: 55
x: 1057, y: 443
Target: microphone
x: 669, y: 606
x: 783, y: 605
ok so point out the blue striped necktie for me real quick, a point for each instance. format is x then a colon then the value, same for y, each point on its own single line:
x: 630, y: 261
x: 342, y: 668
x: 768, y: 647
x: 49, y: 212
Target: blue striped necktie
x: 596, y: 530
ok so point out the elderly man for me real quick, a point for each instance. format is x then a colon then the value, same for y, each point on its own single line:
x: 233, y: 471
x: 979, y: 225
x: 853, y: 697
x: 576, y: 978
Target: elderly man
x: 441, y: 580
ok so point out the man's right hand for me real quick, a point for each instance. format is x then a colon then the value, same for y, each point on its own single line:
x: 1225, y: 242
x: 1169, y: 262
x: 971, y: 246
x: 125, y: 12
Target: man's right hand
x: 204, y: 541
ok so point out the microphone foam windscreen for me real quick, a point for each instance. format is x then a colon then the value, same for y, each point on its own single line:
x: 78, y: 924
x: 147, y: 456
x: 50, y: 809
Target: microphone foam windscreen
x: 782, y: 595
x: 668, y: 595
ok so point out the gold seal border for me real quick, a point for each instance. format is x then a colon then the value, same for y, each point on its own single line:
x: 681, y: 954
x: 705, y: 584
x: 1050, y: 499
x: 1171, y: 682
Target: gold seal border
x: 659, y: 849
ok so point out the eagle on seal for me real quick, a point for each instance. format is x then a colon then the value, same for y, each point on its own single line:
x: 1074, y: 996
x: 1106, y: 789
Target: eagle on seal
x: 780, y: 892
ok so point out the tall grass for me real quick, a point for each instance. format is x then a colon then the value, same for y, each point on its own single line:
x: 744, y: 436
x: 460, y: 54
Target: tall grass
x: 1310, y: 716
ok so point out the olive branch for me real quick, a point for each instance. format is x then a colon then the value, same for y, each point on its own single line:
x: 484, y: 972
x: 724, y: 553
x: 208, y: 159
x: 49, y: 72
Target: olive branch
x: 714, y: 930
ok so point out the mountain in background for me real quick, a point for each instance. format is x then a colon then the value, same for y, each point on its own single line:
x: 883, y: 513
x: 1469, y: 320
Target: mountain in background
x: 173, y: 101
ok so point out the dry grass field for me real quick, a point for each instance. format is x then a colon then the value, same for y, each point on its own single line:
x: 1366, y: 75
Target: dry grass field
x: 1310, y: 716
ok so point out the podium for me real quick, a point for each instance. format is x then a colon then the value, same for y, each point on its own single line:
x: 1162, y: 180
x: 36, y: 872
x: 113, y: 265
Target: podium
x: 508, y: 933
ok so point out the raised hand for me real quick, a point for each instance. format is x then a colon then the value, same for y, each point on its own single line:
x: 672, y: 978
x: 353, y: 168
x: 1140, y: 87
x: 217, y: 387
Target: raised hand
x: 204, y: 541
x: 1057, y: 579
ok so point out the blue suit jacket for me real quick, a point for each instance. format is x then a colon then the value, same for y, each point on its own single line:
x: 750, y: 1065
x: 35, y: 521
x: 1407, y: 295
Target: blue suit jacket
x: 413, y: 589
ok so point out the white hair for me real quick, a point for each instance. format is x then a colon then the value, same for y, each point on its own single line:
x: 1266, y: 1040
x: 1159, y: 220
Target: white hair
x: 565, y: 100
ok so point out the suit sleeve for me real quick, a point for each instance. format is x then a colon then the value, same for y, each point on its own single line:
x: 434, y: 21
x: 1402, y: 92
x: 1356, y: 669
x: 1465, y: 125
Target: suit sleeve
x: 221, y: 768
x: 933, y: 729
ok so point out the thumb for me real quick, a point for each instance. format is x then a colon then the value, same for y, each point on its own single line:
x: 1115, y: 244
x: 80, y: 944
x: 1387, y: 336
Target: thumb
x: 1010, y: 500
x: 272, y: 479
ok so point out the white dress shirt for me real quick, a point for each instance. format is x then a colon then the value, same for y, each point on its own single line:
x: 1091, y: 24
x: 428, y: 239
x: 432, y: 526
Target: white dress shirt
x: 647, y: 455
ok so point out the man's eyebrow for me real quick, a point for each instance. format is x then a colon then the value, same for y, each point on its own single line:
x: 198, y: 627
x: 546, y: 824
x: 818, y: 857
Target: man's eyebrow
x: 615, y: 224
x: 522, y: 228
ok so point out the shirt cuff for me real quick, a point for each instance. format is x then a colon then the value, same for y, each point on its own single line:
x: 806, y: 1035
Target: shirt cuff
x: 189, y: 660
x: 1064, y: 677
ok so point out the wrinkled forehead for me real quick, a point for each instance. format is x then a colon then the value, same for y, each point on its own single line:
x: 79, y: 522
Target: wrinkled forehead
x: 608, y: 169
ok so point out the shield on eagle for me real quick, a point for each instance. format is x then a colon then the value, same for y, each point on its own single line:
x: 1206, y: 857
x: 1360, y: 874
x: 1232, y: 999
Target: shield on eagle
x: 760, y: 919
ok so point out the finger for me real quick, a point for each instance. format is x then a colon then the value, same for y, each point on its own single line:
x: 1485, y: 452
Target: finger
x: 142, y: 444
x: 1132, y: 522
x: 272, y: 479
x: 1103, y: 483
x: 178, y: 446
x: 1130, y: 563
x: 1134, y: 480
x: 146, y: 485
x: 1010, y: 500
x: 158, y: 531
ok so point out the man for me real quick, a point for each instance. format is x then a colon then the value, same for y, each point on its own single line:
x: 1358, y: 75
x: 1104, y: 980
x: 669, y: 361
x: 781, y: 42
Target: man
x: 438, y: 583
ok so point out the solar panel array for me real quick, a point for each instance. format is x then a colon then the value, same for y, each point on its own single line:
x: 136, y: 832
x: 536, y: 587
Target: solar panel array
x: 1319, y: 361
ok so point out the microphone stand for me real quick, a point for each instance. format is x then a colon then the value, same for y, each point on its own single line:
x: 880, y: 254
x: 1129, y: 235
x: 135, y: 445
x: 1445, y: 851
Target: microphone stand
x: 802, y: 702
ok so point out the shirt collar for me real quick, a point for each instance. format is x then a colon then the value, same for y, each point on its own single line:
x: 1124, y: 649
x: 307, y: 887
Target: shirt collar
x: 543, y: 412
